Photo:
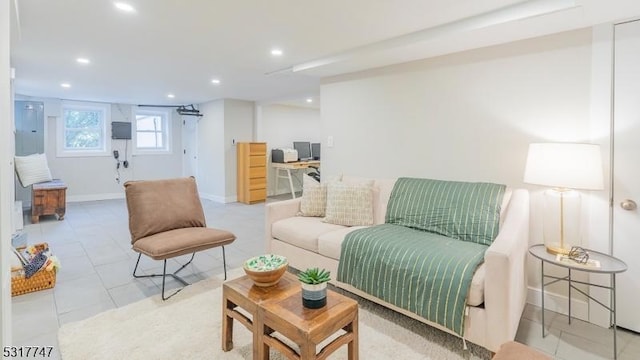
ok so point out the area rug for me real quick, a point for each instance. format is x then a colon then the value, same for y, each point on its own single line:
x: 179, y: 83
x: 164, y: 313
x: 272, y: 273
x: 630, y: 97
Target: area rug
x: 188, y: 326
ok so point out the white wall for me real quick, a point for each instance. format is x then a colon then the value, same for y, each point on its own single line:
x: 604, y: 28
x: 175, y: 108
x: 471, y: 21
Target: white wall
x: 224, y: 123
x: 238, y: 127
x: 211, y: 182
x: 468, y: 116
x: 280, y: 126
x: 94, y: 177
x: 6, y: 175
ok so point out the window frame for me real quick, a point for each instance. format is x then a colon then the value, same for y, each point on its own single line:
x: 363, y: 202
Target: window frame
x: 165, y: 114
x: 104, y: 150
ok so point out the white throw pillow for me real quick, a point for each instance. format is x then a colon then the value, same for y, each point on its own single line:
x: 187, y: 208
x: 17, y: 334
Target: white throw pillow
x: 32, y: 169
x: 349, y: 204
x: 314, y: 197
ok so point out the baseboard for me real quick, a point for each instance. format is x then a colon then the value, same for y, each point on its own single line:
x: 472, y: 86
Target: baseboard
x: 219, y: 199
x: 559, y: 303
x: 95, y: 197
x: 111, y: 196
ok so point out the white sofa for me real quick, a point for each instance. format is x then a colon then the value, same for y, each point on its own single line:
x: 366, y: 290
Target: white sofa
x: 498, y: 289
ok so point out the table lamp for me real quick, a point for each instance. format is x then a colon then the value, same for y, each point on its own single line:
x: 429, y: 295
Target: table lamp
x: 565, y: 167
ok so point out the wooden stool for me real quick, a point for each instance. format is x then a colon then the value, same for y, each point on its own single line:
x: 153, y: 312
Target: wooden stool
x: 48, y: 198
x: 309, y: 327
x: 515, y: 351
x: 242, y: 294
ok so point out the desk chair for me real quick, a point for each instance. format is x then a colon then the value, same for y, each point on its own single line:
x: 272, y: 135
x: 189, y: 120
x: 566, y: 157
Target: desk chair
x: 166, y: 220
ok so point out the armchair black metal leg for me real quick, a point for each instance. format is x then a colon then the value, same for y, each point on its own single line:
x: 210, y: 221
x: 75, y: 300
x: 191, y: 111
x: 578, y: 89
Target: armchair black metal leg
x: 164, y: 272
x: 164, y: 275
x: 224, y: 263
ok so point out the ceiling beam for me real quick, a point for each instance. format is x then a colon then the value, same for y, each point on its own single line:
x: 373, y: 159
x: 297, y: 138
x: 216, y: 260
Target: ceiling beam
x: 515, y: 12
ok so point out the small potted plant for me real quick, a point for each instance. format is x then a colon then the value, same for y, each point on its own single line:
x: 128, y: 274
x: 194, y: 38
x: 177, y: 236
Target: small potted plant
x: 314, y: 287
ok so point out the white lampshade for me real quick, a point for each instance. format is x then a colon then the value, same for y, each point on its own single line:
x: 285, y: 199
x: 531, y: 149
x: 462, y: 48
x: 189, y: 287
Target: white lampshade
x: 565, y: 165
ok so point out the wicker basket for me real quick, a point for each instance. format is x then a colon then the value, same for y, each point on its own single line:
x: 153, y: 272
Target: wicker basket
x: 41, y: 280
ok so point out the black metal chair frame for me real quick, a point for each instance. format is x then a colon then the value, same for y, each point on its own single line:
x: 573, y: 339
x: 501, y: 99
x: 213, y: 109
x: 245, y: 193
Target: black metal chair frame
x: 174, y: 274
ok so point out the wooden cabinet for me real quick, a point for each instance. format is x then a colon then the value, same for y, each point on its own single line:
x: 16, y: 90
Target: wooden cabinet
x: 48, y: 198
x: 252, y: 172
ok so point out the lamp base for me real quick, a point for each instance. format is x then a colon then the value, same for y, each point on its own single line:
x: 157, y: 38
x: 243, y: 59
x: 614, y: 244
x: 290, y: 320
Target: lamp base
x: 557, y: 250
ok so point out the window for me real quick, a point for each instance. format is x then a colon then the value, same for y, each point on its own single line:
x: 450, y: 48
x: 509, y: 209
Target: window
x: 152, y: 131
x: 82, y: 130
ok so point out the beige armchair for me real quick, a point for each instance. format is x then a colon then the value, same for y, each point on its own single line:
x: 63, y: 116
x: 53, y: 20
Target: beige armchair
x: 166, y: 220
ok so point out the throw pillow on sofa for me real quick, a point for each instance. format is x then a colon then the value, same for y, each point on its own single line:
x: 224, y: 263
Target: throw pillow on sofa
x: 314, y: 197
x: 349, y: 204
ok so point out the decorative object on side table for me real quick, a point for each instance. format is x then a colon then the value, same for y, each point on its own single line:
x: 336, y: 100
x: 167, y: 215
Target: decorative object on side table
x: 266, y: 270
x: 565, y: 167
x: 314, y: 287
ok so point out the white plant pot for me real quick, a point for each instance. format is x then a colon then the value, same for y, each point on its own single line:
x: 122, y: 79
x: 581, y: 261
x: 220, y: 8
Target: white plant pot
x: 314, y: 296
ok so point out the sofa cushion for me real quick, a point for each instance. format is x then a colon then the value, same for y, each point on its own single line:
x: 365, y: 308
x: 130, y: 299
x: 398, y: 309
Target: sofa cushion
x: 302, y: 231
x: 381, y: 194
x: 314, y: 197
x: 476, y: 290
x: 349, y: 204
x: 459, y: 210
x: 330, y: 244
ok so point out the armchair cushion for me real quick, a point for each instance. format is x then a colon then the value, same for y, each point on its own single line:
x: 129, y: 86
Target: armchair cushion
x: 178, y: 242
x: 162, y: 205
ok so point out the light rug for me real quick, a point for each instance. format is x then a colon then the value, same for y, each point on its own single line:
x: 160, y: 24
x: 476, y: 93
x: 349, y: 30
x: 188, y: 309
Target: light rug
x: 188, y: 326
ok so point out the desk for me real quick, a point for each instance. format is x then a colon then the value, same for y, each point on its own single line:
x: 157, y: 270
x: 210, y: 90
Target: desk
x: 287, y: 167
x: 608, y: 265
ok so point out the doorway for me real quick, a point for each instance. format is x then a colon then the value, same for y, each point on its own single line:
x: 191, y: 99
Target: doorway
x: 29, y: 121
x: 190, y: 146
x: 626, y: 170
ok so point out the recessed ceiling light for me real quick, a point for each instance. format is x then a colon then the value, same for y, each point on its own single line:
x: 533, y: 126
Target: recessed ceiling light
x: 65, y: 85
x: 276, y: 52
x: 124, y: 7
x: 309, y: 100
x: 83, y: 61
x: 170, y: 96
x: 215, y: 81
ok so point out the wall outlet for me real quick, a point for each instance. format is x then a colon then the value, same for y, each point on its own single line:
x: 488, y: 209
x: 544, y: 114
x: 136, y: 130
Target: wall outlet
x: 330, y: 141
x: 233, y: 142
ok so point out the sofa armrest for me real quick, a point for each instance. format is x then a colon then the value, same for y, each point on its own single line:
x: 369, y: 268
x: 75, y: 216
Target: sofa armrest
x: 506, y: 273
x: 277, y: 211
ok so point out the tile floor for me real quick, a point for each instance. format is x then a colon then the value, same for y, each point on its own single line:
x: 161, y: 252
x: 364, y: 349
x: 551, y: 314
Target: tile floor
x: 93, y: 246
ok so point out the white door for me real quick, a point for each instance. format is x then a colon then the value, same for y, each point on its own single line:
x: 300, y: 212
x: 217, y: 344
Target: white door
x: 626, y: 170
x: 190, y: 146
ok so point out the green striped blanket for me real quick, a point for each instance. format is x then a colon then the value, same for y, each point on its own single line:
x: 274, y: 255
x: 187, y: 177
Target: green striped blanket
x: 461, y: 210
x: 424, y: 257
x: 425, y: 273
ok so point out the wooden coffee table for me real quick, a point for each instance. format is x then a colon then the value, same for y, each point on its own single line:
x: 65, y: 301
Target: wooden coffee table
x: 241, y: 293
x: 308, y: 327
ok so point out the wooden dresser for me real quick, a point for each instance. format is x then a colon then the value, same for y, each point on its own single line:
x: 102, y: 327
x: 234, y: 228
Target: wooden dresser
x: 252, y: 172
x: 48, y: 198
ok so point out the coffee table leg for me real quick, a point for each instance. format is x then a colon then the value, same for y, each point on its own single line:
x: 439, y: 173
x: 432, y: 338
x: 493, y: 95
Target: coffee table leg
x: 260, y: 349
x: 227, y: 324
x: 353, y: 346
x: 308, y: 350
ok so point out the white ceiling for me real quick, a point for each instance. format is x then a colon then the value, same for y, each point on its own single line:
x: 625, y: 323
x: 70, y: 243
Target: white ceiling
x: 173, y: 46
